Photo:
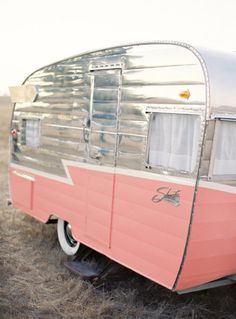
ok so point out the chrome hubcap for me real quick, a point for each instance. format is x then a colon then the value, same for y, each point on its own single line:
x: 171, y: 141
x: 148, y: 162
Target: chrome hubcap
x: 70, y: 239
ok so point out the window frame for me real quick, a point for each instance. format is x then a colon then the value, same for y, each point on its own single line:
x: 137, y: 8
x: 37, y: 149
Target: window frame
x: 223, y: 177
x: 173, y: 171
x: 23, y: 130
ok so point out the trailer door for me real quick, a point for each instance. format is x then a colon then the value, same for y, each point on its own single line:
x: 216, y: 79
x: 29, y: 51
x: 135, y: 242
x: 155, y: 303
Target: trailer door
x: 102, y: 146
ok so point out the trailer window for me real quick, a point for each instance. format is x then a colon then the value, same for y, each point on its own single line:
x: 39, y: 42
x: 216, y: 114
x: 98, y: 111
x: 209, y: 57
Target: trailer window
x: 30, y: 134
x: 173, y: 141
x: 224, y: 154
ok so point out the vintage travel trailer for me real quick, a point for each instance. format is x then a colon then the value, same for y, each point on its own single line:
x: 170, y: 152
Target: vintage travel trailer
x: 133, y: 150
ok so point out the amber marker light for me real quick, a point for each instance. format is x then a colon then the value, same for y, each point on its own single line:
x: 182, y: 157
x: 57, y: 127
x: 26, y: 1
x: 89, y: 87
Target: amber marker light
x: 185, y: 94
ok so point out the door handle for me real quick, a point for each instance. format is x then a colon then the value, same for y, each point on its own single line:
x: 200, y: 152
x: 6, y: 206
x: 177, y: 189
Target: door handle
x: 86, y: 126
x: 86, y: 122
x: 96, y: 156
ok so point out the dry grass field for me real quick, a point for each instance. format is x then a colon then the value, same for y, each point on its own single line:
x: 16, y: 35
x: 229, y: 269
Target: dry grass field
x: 35, y: 284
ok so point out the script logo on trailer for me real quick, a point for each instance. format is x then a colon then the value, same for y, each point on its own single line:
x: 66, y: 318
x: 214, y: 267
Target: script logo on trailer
x: 168, y: 195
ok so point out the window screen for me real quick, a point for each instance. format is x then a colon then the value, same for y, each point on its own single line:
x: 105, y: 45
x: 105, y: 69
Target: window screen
x: 31, y: 132
x: 225, y: 151
x: 173, y: 141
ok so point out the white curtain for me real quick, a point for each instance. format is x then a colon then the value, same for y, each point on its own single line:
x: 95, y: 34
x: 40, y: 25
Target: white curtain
x: 225, y: 157
x: 174, y: 141
x: 32, y: 133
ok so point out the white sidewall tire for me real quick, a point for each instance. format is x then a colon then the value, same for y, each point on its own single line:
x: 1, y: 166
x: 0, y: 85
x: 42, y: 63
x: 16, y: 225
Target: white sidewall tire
x: 66, y: 247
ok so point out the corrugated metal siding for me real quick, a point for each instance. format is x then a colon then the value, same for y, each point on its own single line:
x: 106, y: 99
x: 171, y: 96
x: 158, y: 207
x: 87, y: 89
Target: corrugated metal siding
x: 151, y: 75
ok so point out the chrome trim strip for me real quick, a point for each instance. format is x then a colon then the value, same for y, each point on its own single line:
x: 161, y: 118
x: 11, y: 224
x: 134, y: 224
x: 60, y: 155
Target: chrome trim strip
x: 217, y: 186
x: 213, y: 284
x: 206, y: 115
x: 25, y: 176
x: 121, y: 171
x: 105, y: 169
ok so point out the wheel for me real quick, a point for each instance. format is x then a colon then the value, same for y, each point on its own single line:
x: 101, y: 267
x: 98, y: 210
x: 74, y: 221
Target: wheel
x: 68, y: 244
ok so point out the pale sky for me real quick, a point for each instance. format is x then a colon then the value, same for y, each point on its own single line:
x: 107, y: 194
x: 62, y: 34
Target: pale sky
x: 35, y: 33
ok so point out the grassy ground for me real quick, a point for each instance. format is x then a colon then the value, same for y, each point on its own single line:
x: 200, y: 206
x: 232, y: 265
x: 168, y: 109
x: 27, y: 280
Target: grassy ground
x: 35, y: 284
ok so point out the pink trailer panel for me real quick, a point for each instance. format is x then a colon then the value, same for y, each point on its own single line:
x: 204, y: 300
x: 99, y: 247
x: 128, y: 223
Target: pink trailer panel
x: 125, y: 225
x: 211, y: 251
